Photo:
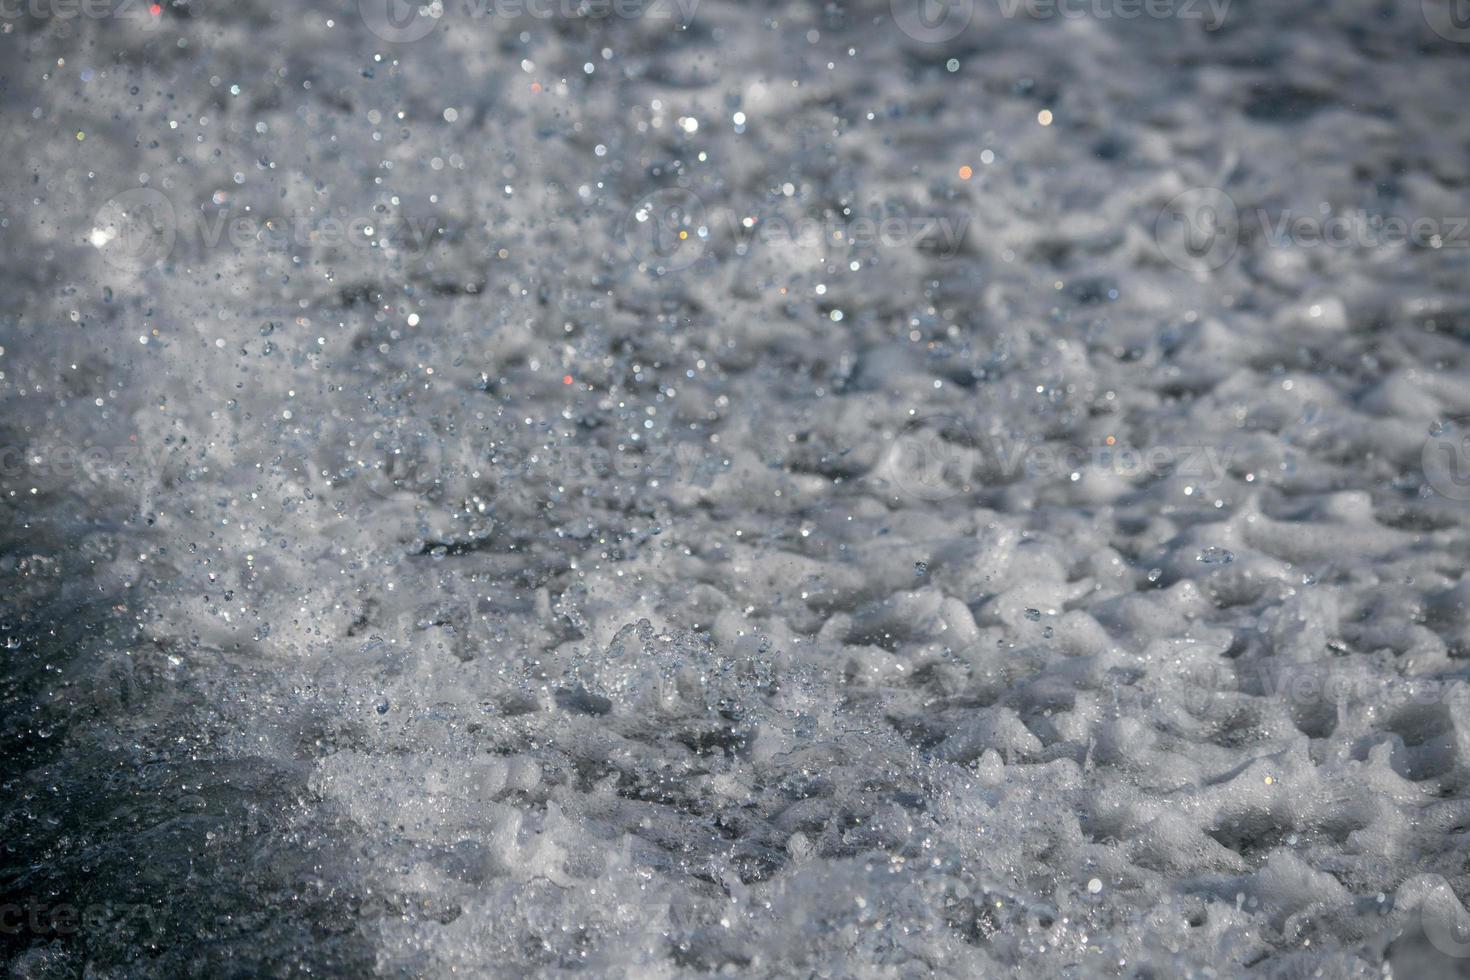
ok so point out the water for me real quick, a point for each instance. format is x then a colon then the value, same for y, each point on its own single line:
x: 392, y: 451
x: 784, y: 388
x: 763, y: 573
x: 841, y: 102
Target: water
x: 750, y: 490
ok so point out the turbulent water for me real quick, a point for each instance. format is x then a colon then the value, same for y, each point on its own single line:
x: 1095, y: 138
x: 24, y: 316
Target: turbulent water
x: 780, y: 490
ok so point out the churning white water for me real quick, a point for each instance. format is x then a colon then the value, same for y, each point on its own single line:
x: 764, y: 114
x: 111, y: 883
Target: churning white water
x: 767, y: 489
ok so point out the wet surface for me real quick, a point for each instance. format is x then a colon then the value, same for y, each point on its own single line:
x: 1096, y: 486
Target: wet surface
x: 783, y: 489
